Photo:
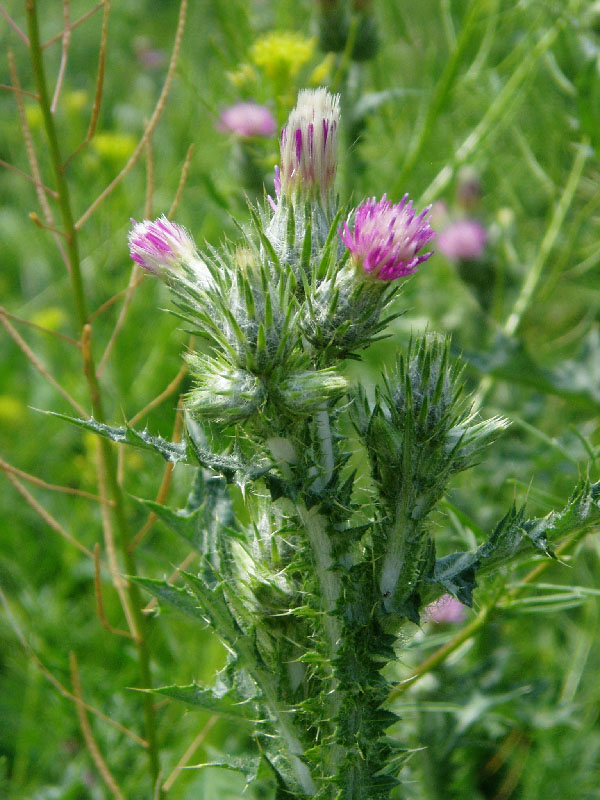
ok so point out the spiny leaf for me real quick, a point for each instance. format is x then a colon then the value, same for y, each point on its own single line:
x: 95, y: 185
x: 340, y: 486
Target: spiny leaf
x: 180, y: 598
x: 224, y: 704
x: 172, y: 451
x: 512, y: 538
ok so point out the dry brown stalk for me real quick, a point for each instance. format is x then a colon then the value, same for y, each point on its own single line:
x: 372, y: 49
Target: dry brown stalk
x: 45, y: 515
x: 20, y: 172
x: 183, y: 761
x: 167, y: 392
x: 50, y: 486
x: 15, y: 27
x: 37, y: 221
x: 129, y: 292
x: 99, y: 600
x: 112, y: 300
x: 66, y: 41
x: 31, y: 156
x: 133, y: 278
x: 37, y: 327
x: 149, y: 179
x: 182, y: 181
x: 22, y: 91
x: 164, y: 486
x: 24, y: 347
x: 57, y: 684
x: 88, y: 736
x: 87, y: 15
x: 158, y: 109
x: 99, y: 83
x: 109, y: 542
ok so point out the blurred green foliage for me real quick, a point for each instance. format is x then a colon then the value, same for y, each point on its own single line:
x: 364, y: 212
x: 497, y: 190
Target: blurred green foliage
x: 508, y: 89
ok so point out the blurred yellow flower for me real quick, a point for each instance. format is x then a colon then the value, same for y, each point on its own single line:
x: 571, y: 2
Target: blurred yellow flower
x: 33, y: 115
x: 281, y: 54
x: 11, y: 410
x: 76, y: 100
x: 114, y: 146
x: 322, y: 72
x: 50, y: 318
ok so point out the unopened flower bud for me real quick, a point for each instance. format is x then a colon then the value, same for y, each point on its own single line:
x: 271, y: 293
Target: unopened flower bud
x: 309, y: 145
x: 386, y: 238
x: 221, y: 392
x: 162, y: 246
x: 305, y: 392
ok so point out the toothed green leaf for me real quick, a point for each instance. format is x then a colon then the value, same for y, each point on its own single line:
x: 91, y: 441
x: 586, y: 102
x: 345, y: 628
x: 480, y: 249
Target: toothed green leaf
x: 225, y: 704
x: 180, y: 598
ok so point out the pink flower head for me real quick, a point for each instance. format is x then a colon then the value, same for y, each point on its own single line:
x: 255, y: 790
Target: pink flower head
x: 161, y: 245
x: 463, y: 240
x: 387, y: 237
x: 447, y: 609
x: 309, y: 145
x: 247, y: 119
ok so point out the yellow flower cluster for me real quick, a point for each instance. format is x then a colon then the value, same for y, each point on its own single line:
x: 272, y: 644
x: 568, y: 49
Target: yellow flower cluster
x: 282, y: 53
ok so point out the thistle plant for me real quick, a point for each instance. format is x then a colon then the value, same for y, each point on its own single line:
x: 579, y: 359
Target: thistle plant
x: 315, y: 590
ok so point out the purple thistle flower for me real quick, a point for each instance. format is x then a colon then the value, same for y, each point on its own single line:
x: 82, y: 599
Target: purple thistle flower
x: 447, y: 609
x: 161, y: 245
x: 463, y: 240
x: 247, y: 120
x: 309, y: 145
x: 387, y: 237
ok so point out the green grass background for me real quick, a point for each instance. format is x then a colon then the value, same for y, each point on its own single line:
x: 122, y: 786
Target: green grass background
x: 509, y: 89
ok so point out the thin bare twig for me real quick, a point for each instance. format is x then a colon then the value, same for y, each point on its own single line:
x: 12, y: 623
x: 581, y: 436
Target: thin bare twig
x: 129, y: 292
x: 159, y: 108
x: 183, y: 761
x: 45, y: 515
x: 15, y: 27
x: 164, y: 486
x: 149, y: 179
x: 99, y: 600
x: 133, y: 278
x: 167, y: 392
x: 57, y: 684
x: 31, y: 156
x: 182, y: 181
x: 37, y: 327
x: 112, y: 300
x: 119, y: 582
x: 43, y: 485
x: 44, y: 226
x: 72, y: 27
x: 22, y: 91
x: 66, y: 41
x: 22, y: 344
x: 99, y: 86
x: 88, y: 736
x: 24, y: 175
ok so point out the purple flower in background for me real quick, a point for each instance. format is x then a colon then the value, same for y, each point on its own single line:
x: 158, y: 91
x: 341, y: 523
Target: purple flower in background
x: 161, y: 245
x: 463, y: 240
x: 247, y: 119
x: 309, y: 145
x: 447, y: 609
x: 387, y: 237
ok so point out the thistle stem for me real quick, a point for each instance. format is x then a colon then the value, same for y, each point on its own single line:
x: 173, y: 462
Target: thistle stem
x: 108, y: 455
